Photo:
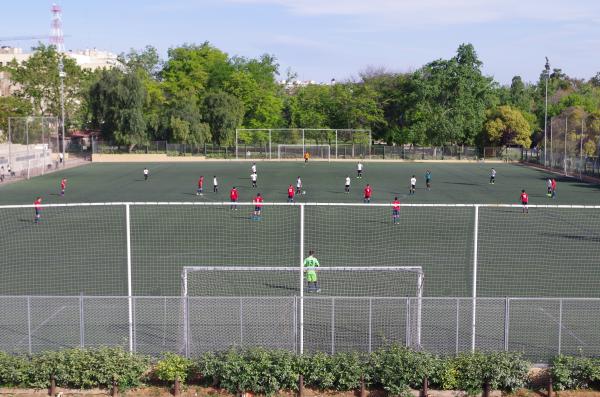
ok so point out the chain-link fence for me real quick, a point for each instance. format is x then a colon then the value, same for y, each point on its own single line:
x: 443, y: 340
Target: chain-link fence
x: 540, y: 328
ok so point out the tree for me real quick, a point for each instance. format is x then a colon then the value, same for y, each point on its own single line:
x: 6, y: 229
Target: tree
x: 38, y: 81
x: 506, y: 126
x: 116, y: 104
x: 194, y: 69
x: 11, y: 106
x: 451, y: 97
x: 224, y: 113
x: 186, y: 124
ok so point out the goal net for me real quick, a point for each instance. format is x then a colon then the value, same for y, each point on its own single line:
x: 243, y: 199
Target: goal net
x: 244, y: 305
x: 263, y: 143
x: 376, y: 281
x: 297, y: 152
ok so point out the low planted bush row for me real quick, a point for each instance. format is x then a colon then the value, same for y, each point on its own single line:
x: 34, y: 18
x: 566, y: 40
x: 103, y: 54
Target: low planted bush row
x: 394, y: 369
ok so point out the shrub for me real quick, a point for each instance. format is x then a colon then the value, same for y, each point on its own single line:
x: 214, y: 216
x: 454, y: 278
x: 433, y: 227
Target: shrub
x: 173, y: 367
x: 257, y: 370
x: 397, y: 369
x: 13, y: 370
x: 87, y: 368
x: 574, y: 372
x: 505, y: 371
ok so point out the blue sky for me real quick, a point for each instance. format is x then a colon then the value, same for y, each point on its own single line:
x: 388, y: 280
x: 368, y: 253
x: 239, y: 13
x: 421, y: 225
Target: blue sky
x: 324, y: 39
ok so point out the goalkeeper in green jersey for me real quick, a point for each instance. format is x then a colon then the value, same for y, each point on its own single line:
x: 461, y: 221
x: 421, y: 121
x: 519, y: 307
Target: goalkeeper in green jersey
x: 310, y: 265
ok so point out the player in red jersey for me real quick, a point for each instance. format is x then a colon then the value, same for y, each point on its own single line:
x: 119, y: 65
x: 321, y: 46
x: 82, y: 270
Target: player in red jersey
x: 291, y: 193
x: 200, y: 185
x: 63, y: 186
x: 524, y: 201
x: 233, y: 196
x: 368, y: 192
x: 37, y: 204
x: 396, y: 211
x: 553, y: 195
x: 258, y: 200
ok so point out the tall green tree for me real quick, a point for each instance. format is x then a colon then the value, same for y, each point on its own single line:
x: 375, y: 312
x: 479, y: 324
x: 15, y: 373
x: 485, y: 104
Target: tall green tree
x: 116, y: 104
x: 223, y: 113
x: 38, y: 81
x: 451, y: 97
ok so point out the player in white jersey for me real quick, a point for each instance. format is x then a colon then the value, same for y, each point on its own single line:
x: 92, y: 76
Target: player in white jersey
x: 298, y: 186
x: 146, y: 174
x: 493, y: 176
x: 253, y: 177
x: 215, y: 184
x: 359, y: 170
x: 253, y: 168
x: 347, y: 185
x: 413, y: 185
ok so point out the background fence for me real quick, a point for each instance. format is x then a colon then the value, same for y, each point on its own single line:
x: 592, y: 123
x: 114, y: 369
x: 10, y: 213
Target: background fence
x: 343, y: 150
x: 540, y: 328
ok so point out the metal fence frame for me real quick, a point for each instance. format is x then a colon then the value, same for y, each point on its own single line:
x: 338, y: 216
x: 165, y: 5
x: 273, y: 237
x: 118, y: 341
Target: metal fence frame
x: 36, y: 323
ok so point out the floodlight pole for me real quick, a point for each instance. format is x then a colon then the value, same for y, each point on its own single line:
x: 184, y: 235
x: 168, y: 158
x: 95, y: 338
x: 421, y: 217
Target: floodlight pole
x: 62, y: 75
x: 547, y: 73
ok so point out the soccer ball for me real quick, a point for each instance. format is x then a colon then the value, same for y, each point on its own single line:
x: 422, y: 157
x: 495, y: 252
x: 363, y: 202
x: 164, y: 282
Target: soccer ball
x: 304, y: 192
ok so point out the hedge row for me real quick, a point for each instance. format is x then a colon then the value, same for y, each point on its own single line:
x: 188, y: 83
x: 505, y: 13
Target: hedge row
x: 394, y: 369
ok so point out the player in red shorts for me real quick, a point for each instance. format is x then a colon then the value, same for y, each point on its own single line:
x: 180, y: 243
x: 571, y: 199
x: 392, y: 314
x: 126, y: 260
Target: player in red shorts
x: 258, y: 200
x: 63, y: 186
x: 37, y: 204
x: 368, y: 193
x: 524, y: 201
x: 396, y: 211
x: 233, y: 196
x: 291, y: 194
x: 200, y: 185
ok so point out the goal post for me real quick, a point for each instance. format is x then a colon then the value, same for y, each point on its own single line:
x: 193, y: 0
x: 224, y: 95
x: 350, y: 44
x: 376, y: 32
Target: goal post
x: 262, y: 143
x: 296, y: 152
x: 360, y: 282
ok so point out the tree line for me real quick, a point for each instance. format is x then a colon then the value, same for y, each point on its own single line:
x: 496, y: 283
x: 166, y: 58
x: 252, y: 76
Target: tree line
x: 200, y: 94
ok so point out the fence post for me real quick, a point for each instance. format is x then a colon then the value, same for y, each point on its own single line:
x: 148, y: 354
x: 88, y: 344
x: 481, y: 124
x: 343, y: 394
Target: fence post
x: 370, y: 323
x: 186, y: 325
x: 81, y: 323
x: 336, y: 144
x: 560, y: 315
x: 129, y: 285
x: 457, y: 322
x: 506, y: 322
x: 295, y: 324
x: 474, y: 292
x: 29, y: 323
x: 301, y: 336
x: 241, y: 322
x: 332, y: 325
x: 407, y: 325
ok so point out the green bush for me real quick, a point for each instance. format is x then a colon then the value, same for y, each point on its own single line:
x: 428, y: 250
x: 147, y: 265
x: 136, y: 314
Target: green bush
x: 574, y: 372
x: 504, y: 371
x: 339, y: 372
x: 13, y: 370
x: 257, y: 370
x: 87, y: 368
x: 173, y: 367
x: 397, y: 369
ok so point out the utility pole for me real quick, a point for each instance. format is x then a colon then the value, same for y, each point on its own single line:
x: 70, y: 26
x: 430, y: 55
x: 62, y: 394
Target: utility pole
x: 547, y: 73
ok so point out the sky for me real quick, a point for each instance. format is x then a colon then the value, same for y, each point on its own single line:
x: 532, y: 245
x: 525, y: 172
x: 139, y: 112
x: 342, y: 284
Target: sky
x: 324, y: 39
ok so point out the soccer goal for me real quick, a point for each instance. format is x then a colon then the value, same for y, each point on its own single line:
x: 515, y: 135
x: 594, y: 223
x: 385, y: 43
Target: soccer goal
x: 296, y: 151
x: 354, y: 284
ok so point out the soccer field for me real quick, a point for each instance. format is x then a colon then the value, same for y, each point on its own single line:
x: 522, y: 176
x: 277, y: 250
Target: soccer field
x: 324, y: 182
x: 82, y: 250
x: 549, y: 252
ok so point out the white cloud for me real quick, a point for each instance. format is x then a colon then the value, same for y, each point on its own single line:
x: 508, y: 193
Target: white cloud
x: 444, y: 12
